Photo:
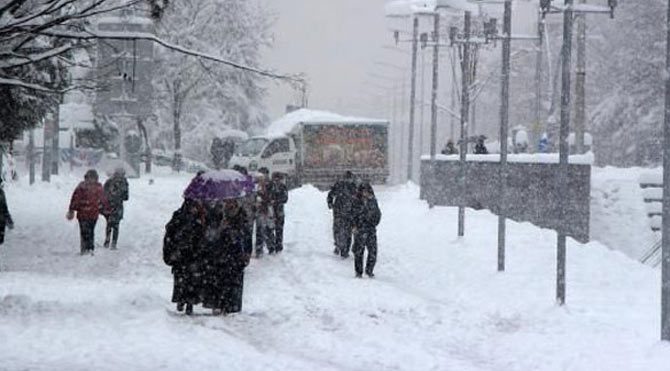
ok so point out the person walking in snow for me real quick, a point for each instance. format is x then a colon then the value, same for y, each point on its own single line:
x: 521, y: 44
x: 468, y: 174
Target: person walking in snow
x: 88, y: 200
x: 449, y: 148
x: 366, y: 217
x: 248, y: 203
x: 480, y: 147
x: 182, y: 251
x: 264, y: 215
x: 278, y: 198
x: 5, y: 217
x: 226, y: 256
x: 116, y: 192
x: 340, y: 200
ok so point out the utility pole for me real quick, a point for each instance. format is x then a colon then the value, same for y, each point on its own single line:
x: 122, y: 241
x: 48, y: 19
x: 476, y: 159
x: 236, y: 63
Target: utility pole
x: 564, y: 149
x: 580, y: 83
x: 538, y: 84
x: 452, y: 119
x: 465, y: 110
x: 665, y: 266
x: 436, y: 80
x: 504, y: 125
x: 412, y: 103
x: 423, y: 101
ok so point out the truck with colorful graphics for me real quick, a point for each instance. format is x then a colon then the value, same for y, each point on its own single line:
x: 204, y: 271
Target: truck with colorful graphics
x: 316, y: 147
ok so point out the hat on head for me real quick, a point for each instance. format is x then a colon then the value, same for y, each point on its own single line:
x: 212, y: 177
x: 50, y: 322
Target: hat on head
x: 91, y: 174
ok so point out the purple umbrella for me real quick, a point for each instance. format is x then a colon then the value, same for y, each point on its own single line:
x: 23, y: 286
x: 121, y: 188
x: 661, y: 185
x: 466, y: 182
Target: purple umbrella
x: 219, y: 185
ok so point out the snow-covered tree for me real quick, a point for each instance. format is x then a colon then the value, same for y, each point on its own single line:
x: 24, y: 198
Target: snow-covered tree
x: 36, y: 39
x: 627, y: 58
x: 198, y: 99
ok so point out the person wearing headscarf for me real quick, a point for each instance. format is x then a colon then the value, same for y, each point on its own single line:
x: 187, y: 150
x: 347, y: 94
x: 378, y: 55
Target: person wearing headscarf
x: 226, y: 256
x: 182, y: 251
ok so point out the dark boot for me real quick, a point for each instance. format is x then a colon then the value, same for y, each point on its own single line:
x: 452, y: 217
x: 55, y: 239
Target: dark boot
x: 189, y: 309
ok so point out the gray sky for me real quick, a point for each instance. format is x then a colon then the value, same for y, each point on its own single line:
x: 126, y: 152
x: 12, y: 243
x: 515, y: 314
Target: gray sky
x: 335, y: 42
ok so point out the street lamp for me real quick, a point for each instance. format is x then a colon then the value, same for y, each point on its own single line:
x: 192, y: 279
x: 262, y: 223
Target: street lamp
x: 569, y: 10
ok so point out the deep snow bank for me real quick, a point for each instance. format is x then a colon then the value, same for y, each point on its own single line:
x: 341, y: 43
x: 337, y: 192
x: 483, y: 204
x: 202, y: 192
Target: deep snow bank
x: 618, y: 212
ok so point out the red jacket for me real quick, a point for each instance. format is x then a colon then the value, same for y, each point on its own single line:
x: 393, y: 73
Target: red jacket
x: 88, y: 200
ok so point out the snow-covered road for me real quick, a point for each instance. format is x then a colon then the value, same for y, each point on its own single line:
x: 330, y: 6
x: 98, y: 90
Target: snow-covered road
x: 437, y: 302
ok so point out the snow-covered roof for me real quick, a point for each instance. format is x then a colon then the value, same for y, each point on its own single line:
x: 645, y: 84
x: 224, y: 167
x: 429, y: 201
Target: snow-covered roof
x: 76, y: 115
x: 285, y: 124
x: 405, y: 8
x: 234, y: 133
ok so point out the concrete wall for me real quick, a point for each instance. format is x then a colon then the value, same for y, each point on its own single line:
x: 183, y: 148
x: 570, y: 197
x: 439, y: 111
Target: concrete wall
x: 532, y: 193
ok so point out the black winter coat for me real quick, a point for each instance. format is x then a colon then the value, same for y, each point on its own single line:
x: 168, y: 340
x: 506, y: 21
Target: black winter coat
x: 226, y: 256
x: 278, y: 196
x: 341, y: 197
x: 116, y: 191
x: 366, y: 213
x: 183, y: 239
x: 5, y: 217
x: 182, y: 251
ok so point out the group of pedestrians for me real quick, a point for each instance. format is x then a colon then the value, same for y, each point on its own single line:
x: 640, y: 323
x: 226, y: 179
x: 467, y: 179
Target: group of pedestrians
x: 91, y: 199
x: 356, y: 215
x: 479, y: 149
x: 208, y: 244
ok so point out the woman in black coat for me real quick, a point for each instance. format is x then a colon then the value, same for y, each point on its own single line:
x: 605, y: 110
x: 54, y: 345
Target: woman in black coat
x: 227, y: 254
x: 5, y: 218
x: 366, y: 217
x: 181, y: 250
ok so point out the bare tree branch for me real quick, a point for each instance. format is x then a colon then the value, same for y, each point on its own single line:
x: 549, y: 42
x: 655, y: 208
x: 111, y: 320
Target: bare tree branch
x: 22, y: 60
x: 90, y: 35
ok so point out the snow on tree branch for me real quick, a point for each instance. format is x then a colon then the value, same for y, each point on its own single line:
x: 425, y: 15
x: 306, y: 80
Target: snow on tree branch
x: 109, y: 35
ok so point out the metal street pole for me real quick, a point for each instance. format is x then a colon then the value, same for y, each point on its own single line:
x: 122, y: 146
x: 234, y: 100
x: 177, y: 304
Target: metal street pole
x: 538, y: 83
x: 412, y: 103
x: 580, y: 83
x: 665, y: 267
x: 436, y: 80
x: 423, y: 101
x: 563, y: 170
x: 465, y: 110
x: 504, y: 124
x: 452, y: 119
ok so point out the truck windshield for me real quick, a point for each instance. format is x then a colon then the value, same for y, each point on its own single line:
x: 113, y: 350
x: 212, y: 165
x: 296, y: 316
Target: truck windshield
x: 251, y: 147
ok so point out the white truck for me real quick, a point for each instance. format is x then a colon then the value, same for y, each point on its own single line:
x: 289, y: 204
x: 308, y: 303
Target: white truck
x: 317, y: 151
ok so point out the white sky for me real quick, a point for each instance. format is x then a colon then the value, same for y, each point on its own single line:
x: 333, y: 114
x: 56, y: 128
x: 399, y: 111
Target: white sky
x: 334, y: 42
x: 339, y: 44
